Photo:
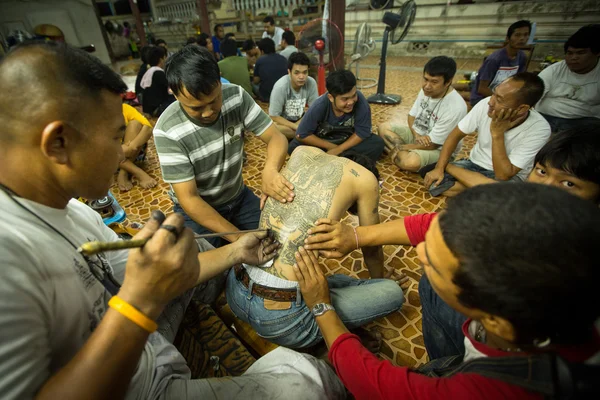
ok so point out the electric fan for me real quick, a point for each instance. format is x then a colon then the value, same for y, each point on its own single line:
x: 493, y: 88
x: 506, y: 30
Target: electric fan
x: 381, y: 4
x: 363, y: 46
x: 322, y: 41
x: 397, y: 26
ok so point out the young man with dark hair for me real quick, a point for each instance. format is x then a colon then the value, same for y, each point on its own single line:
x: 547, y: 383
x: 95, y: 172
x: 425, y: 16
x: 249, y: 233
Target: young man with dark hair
x: 339, y: 120
x: 267, y: 295
x: 272, y: 32
x: 100, y: 326
x: 156, y: 97
x: 510, y: 133
x: 435, y: 113
x: 199, y: 144
x: 478, y: 265
x: 503, y: 63
x: 234, y: 68
x: 162, y: 43
x: 572, y: 86
x: 216, y: 40
x: 291, y: 94
x: 288, y: 44
x: 251, y: 52
x: 269, y: 67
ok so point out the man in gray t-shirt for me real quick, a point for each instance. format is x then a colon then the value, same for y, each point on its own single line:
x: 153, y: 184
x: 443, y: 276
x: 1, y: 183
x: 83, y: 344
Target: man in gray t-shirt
x: 291, y: 94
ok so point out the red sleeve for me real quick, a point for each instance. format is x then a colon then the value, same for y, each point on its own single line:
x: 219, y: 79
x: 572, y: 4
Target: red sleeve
x: 367, y: 377
x: 416, y: 227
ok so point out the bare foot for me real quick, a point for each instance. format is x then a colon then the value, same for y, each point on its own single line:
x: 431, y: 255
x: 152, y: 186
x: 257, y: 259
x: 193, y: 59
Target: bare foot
x: 146, y: 181
x: 370, y: 339
x: 123, y: 181
x: 401, y: 278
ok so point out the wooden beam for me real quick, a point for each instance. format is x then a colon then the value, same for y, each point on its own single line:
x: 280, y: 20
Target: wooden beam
x: 203, y: 13
x: 139, y: 24
x: 103, y: 30
x: 337, y: 15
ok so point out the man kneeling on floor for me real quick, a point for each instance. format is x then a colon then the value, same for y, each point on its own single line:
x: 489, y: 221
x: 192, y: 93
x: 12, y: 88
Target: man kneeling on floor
x: 69, y: 328
x: 267, y: 296
x: 435, y: 113
x: 339, y: 120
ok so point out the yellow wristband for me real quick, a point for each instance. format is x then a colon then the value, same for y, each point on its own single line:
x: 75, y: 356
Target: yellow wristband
x: 127, y: 310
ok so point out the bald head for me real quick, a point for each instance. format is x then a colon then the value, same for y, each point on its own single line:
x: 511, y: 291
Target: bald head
x: 43, y: 82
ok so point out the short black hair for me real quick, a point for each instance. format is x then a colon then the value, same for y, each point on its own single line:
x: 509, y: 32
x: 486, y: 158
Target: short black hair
x: 289, y: 37
x: 217, y: 26
x: 154, y: 55
x: 192, y: 39
x: 576, y: 151
x: 533, y: 87
x: 228, y: 48
x: 587, y: 37
x: 518, y: 245
x: 519, y: 24
x: 160, y: 41
x: 248, y: 45
x: 340, y: 82
x: 441, y: 66
x: 144, y: 53
x: 298, y: 58
x: 366, y: 162
x: 195, y: 68
x: 266, y: 45
x: 202, y: 39
x: 229, y: 35
x: 269, y: 19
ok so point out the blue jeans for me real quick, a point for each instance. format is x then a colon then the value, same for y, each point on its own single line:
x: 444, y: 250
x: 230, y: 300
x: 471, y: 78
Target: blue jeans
x: 442, y: 325
x: 371, y: 147
x: 356, y: 301
x: 558, y: 124
x: 449, y: 180
x: 243, y: 212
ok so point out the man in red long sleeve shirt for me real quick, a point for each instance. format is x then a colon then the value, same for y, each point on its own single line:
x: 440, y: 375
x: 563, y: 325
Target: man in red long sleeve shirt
x: 478, y: 264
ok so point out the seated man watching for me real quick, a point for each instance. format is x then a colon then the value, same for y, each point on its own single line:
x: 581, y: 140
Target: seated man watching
x: 569, y: 161
x: 269, y: 67
x: 572, y: 87
x: 267, y: 296
x: 101, y: 326
x: 137, y: 134
x: 435, y: 113
x: 288, y: 44
x: 155, y: 95
x: 510, y: 133
x: 291, y: 94
x: 339, y: 120
x: 503, y: 63
x: 251, y: 52
x: 478, y: 263
x: 234, y: 68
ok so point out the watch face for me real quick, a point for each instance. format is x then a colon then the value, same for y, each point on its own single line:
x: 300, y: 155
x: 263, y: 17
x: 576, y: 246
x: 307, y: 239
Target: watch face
x: 319, y: 308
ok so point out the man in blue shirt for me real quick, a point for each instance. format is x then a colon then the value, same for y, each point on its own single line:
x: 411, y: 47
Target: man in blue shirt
x: 339, y: 120
x: 268, y: 69
x: 216, y: 40
x: 503, y: 63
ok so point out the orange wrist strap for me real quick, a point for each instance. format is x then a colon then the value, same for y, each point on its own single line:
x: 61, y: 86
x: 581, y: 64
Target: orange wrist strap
x: 131, y: 313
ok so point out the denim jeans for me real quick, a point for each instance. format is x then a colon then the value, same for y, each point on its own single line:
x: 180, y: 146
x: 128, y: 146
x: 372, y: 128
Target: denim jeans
x: 243, y: 212
x: 558, y: 125
x: 371, y: 147
x: 356, y: 301
x: 442, y: 325
x: 449, y: 180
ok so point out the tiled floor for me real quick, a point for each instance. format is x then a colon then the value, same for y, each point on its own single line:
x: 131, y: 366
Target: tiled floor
x: 402, y: 194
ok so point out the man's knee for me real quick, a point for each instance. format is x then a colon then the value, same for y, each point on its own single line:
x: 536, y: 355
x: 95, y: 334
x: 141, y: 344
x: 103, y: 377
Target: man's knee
x: 391, y: 293
x: 408, y: 161
x: 382, y: 127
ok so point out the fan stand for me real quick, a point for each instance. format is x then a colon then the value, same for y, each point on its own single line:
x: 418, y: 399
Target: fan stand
x: 380, y: 97
x: 358, y: 78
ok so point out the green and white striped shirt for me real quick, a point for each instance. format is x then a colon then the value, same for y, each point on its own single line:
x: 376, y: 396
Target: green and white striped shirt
x: 212, y: 155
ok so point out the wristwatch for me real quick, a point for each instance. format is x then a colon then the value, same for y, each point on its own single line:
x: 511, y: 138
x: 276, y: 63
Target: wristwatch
x: 321, y: 308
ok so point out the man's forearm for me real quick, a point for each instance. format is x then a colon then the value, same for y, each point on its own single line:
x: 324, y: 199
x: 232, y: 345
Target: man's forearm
x: 392, y: 232
x: 315, y: 141
x: 282, y: 121
x: 331, y: 327
x: 374, y: 260
x: 416, y: 146
x: 256, y: 80
x: 214, y: 262
x: 104, y: 366
x: 503, y: 168
x: 349, y: 143
x: 466, y: 177
x: 411, y: 121
x: 202, y: 213
x: 142, y: 137
x: 484, y: 89
x: 448, y: 148
x: 276, y: 151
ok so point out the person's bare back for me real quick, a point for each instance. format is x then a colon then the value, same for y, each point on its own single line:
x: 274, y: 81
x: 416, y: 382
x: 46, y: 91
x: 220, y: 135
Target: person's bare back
x: 325, y: 187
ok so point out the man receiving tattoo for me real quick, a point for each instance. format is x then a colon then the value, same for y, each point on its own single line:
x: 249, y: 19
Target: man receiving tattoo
x: 267, y: 296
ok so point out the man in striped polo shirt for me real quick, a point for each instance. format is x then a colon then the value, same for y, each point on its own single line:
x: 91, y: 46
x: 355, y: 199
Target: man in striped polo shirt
x: 200, y: 147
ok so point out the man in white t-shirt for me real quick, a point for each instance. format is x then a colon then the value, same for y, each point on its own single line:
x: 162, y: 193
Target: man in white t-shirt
x: 572, y: 87
x: 101, y: 326
x: 272, y: 32
x: 433, y: 116
x: 291, y: 94
x: 510, y: 133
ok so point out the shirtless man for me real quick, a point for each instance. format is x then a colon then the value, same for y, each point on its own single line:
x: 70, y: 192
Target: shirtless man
x: 268, y: 298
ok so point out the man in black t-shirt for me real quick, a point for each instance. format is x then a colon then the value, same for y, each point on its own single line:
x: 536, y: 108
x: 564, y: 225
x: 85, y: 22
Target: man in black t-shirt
x: 268, y: 69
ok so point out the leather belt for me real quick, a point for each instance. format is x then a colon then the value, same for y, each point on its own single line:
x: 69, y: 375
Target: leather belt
x: 264, y: 292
